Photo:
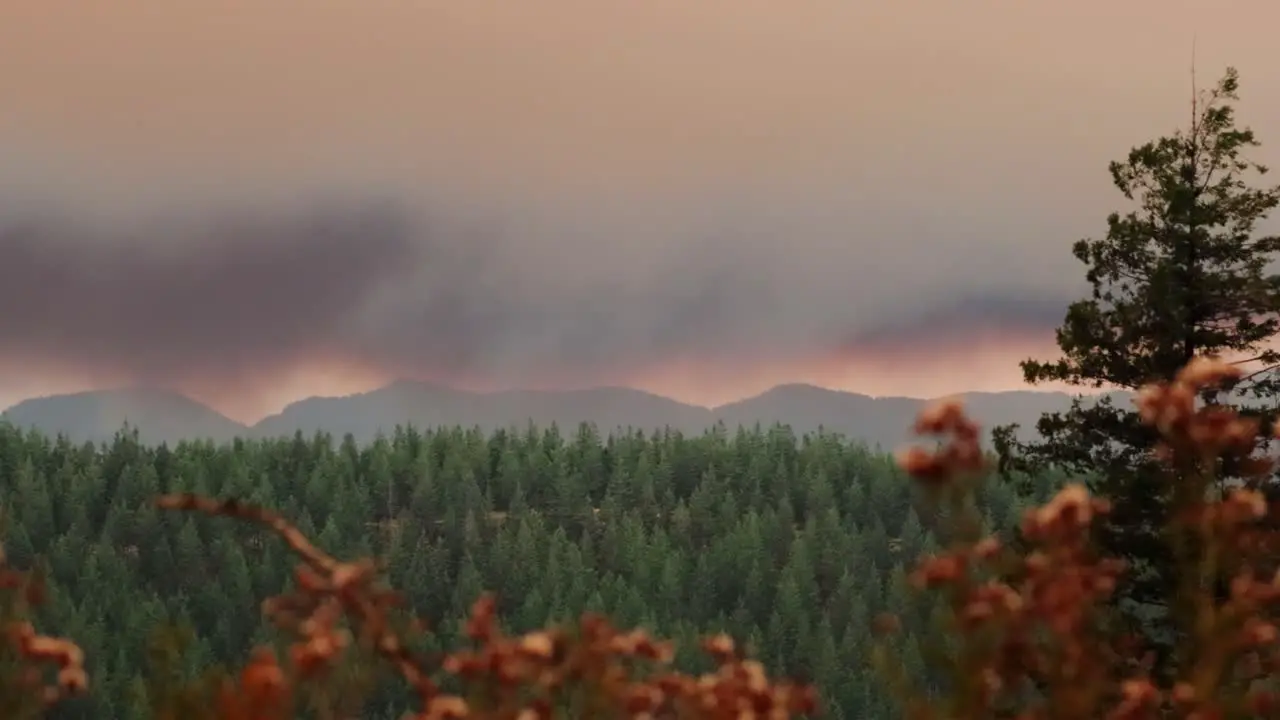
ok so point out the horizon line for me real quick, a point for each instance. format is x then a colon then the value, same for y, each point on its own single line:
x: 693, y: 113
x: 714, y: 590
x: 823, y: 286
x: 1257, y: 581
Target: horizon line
x: 1085, y: 391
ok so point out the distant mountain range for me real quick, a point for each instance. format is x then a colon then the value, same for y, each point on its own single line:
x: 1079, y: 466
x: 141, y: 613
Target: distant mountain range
x: 164, y: 416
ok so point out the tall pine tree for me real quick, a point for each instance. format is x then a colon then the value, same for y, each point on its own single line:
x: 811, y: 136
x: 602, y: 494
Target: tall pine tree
x: 1181, y: 275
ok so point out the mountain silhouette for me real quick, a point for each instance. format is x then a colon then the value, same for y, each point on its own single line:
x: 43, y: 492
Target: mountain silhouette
x: 166, y: 416
x: 158, y: 415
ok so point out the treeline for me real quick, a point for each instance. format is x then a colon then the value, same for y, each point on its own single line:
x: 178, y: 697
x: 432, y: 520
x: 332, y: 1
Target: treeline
x: 790, y: 544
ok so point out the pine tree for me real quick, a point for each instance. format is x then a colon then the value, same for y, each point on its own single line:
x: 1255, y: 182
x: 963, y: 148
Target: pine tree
x: 1180, y: 276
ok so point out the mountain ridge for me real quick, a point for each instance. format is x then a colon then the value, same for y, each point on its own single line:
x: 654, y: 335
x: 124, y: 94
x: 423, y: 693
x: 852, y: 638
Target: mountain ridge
x: 168, y: 416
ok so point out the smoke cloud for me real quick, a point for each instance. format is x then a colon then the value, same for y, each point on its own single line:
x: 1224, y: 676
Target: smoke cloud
x: 225, y: 302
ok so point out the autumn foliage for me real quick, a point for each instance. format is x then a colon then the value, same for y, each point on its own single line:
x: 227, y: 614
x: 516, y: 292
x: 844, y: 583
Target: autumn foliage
x: 1029, y: 627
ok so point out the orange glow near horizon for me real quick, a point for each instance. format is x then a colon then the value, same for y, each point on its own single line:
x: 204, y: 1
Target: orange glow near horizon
x: 987, y: 362
x: 269, y: 397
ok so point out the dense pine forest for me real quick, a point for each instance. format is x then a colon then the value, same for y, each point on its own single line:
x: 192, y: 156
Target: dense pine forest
x: 790, y: 544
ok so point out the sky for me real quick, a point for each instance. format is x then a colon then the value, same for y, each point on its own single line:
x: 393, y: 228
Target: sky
x: 253, y: 202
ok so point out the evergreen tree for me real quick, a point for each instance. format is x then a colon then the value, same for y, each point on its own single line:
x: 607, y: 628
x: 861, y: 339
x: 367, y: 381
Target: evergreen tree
x: 1182, y: 275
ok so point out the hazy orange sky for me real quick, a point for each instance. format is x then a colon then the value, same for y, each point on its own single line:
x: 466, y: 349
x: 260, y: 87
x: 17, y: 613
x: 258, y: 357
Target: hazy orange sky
x: 258, y: 201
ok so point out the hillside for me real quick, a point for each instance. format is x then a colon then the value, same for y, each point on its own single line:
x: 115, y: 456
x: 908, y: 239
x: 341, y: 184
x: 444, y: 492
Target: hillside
x: 158, y: 415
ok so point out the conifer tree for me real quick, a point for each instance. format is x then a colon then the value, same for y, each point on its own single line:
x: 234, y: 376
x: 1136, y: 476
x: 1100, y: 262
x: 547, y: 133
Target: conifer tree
x: 1182, y: 274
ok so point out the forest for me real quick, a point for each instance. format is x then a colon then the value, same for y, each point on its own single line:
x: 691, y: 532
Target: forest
x: 792, y: 545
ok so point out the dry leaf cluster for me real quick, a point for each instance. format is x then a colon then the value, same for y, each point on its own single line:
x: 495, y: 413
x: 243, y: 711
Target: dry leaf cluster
x: 36, y: 656
x: 1032, y: 641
